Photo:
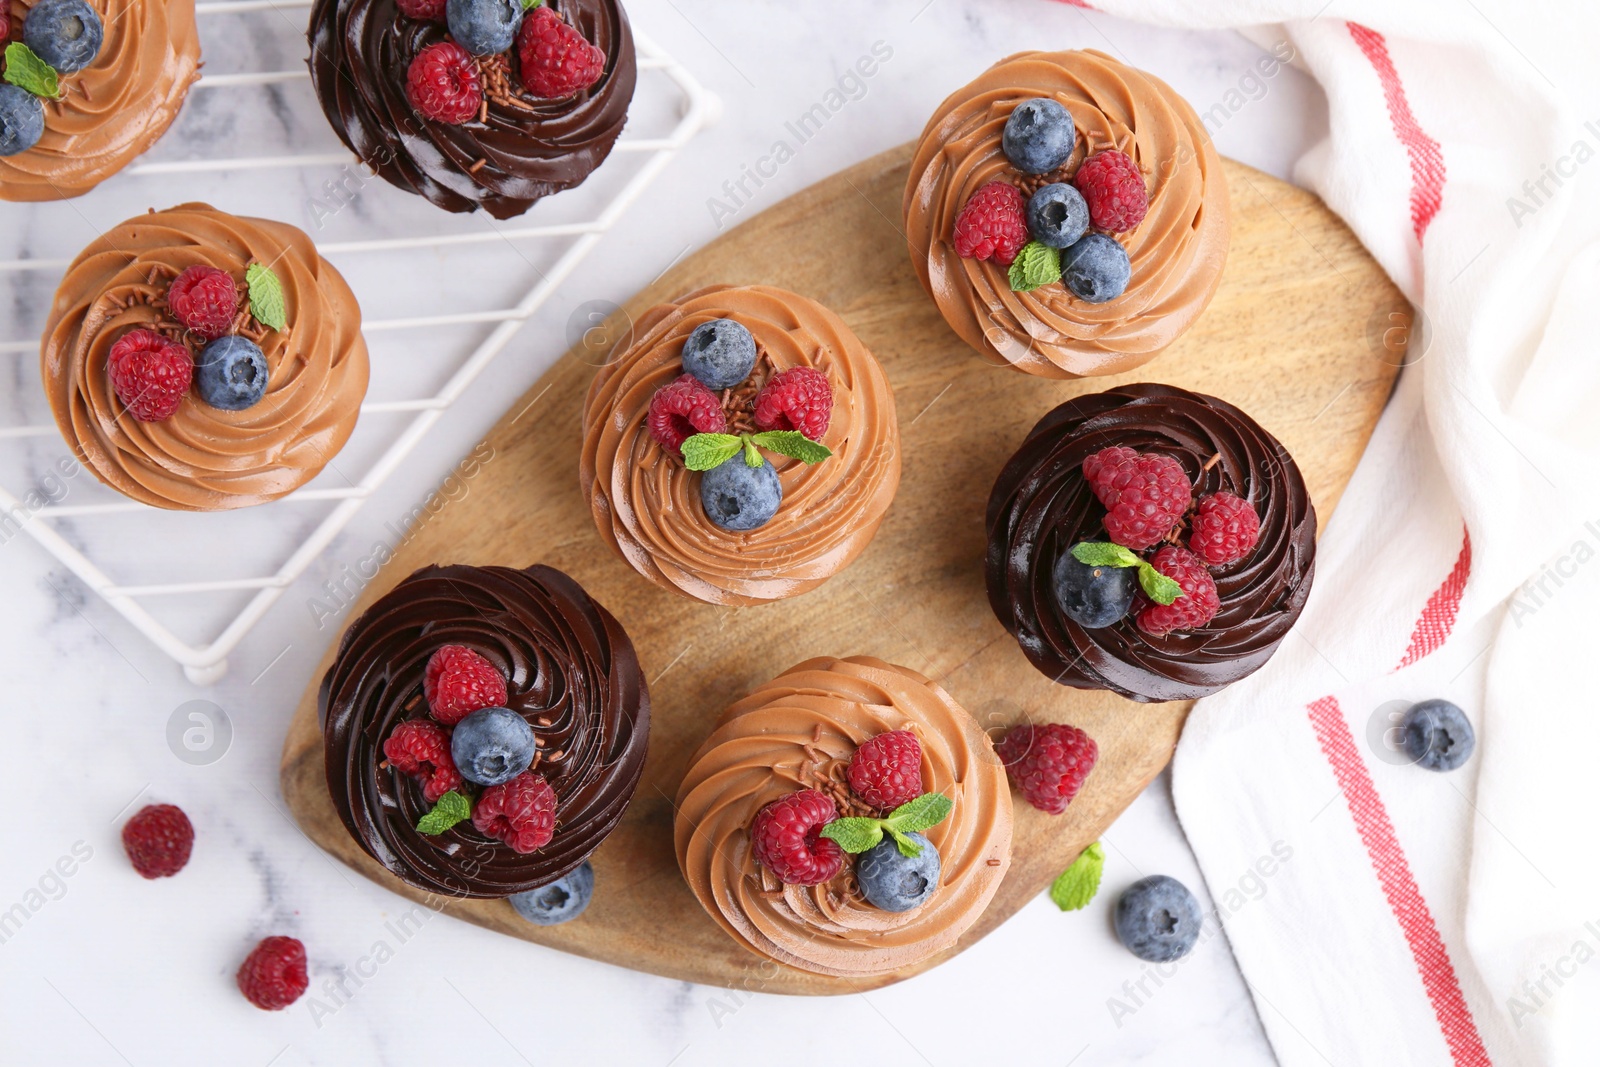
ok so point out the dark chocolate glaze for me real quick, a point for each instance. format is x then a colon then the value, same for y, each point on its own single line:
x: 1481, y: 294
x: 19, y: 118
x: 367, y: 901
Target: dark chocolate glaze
x: 569, y: 665
x: 1041, y: 505
x: 360, y: 53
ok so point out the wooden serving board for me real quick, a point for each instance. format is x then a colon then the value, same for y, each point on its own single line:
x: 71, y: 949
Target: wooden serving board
x: 1289, y: 338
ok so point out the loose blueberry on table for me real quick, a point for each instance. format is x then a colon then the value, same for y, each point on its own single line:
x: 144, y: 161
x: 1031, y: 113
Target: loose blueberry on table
x: 1158, y: 919
x: 560, y: 901
x: 1437, y: 735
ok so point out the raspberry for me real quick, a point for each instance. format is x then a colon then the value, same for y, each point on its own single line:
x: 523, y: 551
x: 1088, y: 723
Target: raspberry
x: 150, y: 374
x: 800, y: 398
x: 158, y: 840
x: 1048, y: 763
x: 683, y: 409
x: 556, y: 60
x: 522, y: 812
x: 273, y: 976
x: 886, y: 771
x: 1114, y: 189
x: 1199, y: 602
x: 422, y: 9
x: 992, y: 225
x: 422, y: 750
x: 1225, y: 529
x: 442, y: 83
x: 458, y: 681
x: 1145, y: 494
x: 205, y: 300
x: 786, y: 837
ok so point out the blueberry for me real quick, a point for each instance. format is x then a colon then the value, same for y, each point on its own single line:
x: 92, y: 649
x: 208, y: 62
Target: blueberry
x: 895, y: 882
x: 1094, y: 597
x: 492, y: 746
x: 1057, y: 215
x: 1096, y: 269
x: 66, y: 34
x: 721, y: 353
x: 231, y: 373
x: 21, y: 120
x: 1158, y: 919
x: 484, y: 27
x: 559, y: 901
x: 737, y: 496
x: 1437, y: 735
x: 1039, y: 136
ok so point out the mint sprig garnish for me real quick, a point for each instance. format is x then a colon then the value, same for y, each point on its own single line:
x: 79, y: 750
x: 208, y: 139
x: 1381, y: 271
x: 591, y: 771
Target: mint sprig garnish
x: 706, y: 450
x: 858, y: 834
x: 1157, y: 586
x: 529, y: 5
x: 1037, y: 264
x: 449, y: 810
x: 266, y: 296
x: 1077, y: 885
x: 28, y: 72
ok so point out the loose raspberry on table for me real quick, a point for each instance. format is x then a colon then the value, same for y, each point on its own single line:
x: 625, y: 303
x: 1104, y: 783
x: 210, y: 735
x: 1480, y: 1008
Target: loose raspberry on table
x: 521, y: 812
x: 421, y: 749
x: 682, y: 409
x: 1145, y: 494
x: 422, y: 9
x: 1225, y: 529
x: 799, y: 398
x: 1048, y: 763
x: 150, y: 374
x: 442, y: 83
x: 1114, y: 190
x: 786, y: 838
x: 158, y: 840
x: 459, y: 681
x: 273, y: 976
x: 993, y: 224
x: 205, y: 300
x: 886, y: 770
x: 1199, y: 602
x: 556, y: 59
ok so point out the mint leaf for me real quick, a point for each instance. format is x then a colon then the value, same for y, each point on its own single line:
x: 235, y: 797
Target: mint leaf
x: 266, y: 296
x: 1077, y: 885
x: 1158, y: 586
x: 27, y: 71
x: 450, y: 809
x: 908, y: 848
x: 794, y: 444
x: 1104, y: 554
x: 752, y: 454
x: 706, y: 450
x: 915, y: 816
x: 854, y: 835
x: 1035, y: 265
x: 529, y: 5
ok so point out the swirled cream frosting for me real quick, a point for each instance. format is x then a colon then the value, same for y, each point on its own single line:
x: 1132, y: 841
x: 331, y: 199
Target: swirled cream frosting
x: 647, y: 503
x: 1177, y: 252
x: 798, y: 731
x: 115, y: 108
x: 204, y: 458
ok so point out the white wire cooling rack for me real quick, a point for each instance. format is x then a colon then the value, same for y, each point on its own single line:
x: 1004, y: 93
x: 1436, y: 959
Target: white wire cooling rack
x: 206, y: 663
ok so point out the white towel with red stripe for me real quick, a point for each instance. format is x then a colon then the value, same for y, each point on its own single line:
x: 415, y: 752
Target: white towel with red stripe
x: 1435, y: 918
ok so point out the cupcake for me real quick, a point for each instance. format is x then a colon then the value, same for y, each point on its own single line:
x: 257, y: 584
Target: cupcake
x: 847, y: 818
x: 1150, y: 541
x: 475, y: 103
x: 483, y: 729
x: 1067, y: 213
x: 743, y: 448
x: 200, y: 361
x: 90, y: 84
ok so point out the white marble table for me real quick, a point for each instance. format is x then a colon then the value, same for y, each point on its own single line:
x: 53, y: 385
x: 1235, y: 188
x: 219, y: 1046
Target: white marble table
x: 100, y: 967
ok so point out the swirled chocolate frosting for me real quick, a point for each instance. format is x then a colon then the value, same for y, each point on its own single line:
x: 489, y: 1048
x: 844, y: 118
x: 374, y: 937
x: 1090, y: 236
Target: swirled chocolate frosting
x: 799, y: 731
x: 115, y: 108
x: 1042, y: 505
x: 572, y: 674
x: 204, y: 458
x: 1177, y: 252
x: 647, y: 503
x: 523, y: 149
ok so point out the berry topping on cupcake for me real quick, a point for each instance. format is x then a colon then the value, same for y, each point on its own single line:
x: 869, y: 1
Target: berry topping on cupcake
x: 895, y: 882
x: 1194, y: 607
x: 787, y: 840
x: 491, y: 746
x: 484, y: 27
x: 21, y: 120
x: 1225, y: 529
x: 459, y: 681
x: 556, y: 59
x: 422, y: 750
x: 66, y: 34
x: 150, y: 374
x: 1144, y: 494
x: 799, y: 398
x: 993, y: 224
x: 1039, y: 136
x: 205, y: 300
x: 520, y: 812
x: 231, y: 373
x: 1093, y: 595
x: 442, y: 83
x: 720, y: 353
x: 886, y: 770
x: 1057, y: 215
x: 682, y: 409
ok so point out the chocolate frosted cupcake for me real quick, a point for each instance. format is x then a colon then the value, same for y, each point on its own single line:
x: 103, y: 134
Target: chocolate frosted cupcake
x: 90, y: 85
x: 1067, y: 213
x: 199, y: 361
x: 484, y: 728
x: 475, y: 103
x: 1150, y: 541
x: 797, y: 815
x: 743, y: 448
